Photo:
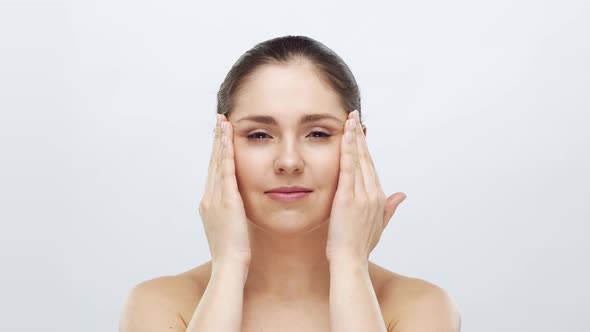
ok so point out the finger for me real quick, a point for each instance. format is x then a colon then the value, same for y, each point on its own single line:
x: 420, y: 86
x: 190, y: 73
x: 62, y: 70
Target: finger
x: 391, y: 205
x: 366, y: 162
x: 229, y: 183
x: 347, y: 167
x: 359, y: 182
x: 217, y: 189
x: 215, y: 152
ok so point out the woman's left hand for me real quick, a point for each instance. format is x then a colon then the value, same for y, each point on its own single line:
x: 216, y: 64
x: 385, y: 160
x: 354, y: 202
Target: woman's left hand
x: 360, y: 211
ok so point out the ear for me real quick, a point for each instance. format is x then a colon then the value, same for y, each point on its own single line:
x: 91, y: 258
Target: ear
x: 364, y: 130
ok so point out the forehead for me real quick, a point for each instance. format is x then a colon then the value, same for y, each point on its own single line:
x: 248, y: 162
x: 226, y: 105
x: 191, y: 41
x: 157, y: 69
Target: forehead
x: 285, y: 91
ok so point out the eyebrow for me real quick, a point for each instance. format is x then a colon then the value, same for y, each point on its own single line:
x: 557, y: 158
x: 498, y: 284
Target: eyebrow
x: 305, y: 118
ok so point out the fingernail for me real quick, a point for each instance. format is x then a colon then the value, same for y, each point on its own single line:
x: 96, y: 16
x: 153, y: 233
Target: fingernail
x: 356, y: 115
x: 223, y: 127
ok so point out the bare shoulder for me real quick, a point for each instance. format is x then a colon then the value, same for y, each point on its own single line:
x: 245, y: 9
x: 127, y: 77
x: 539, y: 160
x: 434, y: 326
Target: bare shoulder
x: 412, y: 304
x: 161, y: 303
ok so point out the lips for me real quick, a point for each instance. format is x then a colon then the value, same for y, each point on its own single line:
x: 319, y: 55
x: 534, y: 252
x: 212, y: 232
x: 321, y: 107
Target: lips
x: 289, y: 190
x: 288, y: 194
x: 288, y: 197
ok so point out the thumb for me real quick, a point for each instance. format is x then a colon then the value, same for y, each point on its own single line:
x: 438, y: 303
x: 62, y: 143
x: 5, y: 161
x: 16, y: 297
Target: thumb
x: 391, y: 205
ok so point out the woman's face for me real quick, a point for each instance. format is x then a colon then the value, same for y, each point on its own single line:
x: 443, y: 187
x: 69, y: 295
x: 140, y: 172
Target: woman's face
x: 275, y: 148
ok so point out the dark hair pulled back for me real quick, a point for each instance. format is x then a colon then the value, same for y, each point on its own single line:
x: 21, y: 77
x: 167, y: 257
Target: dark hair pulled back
x: 282, y: 50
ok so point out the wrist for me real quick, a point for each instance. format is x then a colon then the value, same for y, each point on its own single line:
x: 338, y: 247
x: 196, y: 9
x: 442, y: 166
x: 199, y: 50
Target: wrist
x: 220, y: 267
x: 241, y: 260
x: 348, y: 262
x: 227, y: 278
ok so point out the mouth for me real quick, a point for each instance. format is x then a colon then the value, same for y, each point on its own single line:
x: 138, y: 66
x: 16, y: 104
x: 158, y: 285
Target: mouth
x: 288, y: 197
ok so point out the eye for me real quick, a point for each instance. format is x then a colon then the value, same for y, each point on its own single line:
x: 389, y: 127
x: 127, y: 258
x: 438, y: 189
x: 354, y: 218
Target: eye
x: 259, y: 136
x: 320, y: 134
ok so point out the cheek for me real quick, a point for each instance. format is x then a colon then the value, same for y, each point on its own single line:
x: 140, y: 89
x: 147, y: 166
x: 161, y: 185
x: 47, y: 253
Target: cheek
x: 246, y: 157
x: 335, y: 166
x: 327, y: 166
x: 247, y: 165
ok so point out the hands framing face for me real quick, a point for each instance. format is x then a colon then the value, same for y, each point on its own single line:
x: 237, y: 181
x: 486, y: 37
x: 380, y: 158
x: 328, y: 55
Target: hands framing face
x: 360, y: 211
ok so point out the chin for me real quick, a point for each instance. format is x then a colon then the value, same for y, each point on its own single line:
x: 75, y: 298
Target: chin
x: 287, y: 222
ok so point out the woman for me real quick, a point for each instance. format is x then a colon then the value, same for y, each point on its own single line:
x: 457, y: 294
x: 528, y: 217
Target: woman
x: 292, y: 209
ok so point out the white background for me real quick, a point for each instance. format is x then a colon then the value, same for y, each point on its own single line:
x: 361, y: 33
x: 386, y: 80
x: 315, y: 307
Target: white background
x: 478, y: 111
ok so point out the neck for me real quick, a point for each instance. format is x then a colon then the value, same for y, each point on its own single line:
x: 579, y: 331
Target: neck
x: 288, y: 266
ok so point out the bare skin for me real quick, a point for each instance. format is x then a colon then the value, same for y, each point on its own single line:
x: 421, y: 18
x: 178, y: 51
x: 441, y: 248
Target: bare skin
x: 263, y: 312
x: 288, y: 281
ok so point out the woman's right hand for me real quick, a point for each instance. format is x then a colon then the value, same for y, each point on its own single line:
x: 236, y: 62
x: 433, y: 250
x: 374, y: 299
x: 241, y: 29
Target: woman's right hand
x: 221, y: 208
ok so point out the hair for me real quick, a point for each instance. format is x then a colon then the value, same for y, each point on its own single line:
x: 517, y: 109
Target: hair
x: 285, y: 50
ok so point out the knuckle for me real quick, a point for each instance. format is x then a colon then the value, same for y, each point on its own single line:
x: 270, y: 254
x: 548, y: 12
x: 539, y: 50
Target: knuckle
x: 362, y: 202
x: 374, y: 198
x: 203, y: 207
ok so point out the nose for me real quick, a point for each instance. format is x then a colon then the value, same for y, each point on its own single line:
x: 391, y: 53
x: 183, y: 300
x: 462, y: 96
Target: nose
x: 289, y: 159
